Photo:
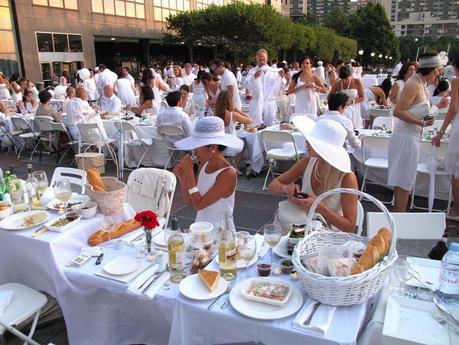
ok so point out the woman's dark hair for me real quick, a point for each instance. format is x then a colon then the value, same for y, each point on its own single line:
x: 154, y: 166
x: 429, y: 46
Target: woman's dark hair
x: 296, y: 76
x: 386, y: 85
x: 220, y: 148
x: 147, y: 76
x: 205, y: 76
x: 344, y: 72
x: 25, y: 94
x: 443, y: 85
x: 426, y: 70
x: 44, y: 96
x: 173, y: 98
x: 199, y: 76
x: 147, y: 93
x: 336, y: 100
x: 14, y: 77
x: 404, y: 70
x: 185, y: 87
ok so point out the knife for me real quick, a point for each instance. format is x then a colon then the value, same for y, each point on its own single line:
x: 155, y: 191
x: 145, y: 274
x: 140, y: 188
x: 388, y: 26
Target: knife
x: 40, y: 231
x: 309, y: 318
x: 99, y: 259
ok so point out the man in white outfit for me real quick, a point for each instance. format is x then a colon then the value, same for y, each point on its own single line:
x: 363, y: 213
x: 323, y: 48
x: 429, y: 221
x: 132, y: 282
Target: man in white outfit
x: 109, y: 102
x: 188, y: 76
x: 127, y: 74
x: 106, y: 77
x: 228, y: 81
x: 320, y: 71
x: 264, y: 84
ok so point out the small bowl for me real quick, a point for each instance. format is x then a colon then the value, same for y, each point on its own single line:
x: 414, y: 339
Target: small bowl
x: 286, y: 266
x: 6, y: 211
x: 87, y: 209
x: 264, y: 269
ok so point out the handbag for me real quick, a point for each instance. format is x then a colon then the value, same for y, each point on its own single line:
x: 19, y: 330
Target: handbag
x: 289, y: 214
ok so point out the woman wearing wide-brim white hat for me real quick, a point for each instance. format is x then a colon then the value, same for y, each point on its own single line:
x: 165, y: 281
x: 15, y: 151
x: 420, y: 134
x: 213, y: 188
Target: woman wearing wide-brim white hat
x: 212, y: 192
x: 327, y: 166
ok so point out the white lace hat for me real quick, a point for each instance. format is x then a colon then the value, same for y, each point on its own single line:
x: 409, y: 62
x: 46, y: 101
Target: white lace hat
x: 209, y: 130
x: 327, y: 138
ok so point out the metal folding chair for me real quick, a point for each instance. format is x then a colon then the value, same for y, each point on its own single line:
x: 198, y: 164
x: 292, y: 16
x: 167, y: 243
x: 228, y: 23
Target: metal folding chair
x: 167, y: 132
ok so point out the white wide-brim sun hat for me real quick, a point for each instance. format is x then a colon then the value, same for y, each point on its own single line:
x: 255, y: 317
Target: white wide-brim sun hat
x: 327, y: 138
x: 209, y: 130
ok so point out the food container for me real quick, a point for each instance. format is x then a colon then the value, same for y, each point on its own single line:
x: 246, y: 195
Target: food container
x: 286, y: 266
x: 267, y: 290
x: 201, y: 235
x: 87, y: 209
x: 5, y: 210
x: 264, y: 269
x: 73, y: 217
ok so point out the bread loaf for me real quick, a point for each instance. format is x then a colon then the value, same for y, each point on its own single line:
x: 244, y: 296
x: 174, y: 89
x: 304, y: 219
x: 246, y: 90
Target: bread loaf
x: 120, y: 230
x: 95, y: 180
x: 379, y: 243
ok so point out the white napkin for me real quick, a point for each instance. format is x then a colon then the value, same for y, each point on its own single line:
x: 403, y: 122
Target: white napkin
x: 262, y: 248
x: 321, y: 320
x: 5, y: 299
x: 91, y: 251
x: 133, y: 235
x: 154, y: 289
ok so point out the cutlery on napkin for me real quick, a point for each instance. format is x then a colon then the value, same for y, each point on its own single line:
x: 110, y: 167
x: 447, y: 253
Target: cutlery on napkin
x: 314, y: 317
x: 40, y: 231
x: 149, y: 283
x: 5, y: 299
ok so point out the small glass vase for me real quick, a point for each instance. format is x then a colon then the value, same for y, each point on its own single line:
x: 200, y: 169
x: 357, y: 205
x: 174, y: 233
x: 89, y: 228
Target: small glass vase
x: 148, y: 238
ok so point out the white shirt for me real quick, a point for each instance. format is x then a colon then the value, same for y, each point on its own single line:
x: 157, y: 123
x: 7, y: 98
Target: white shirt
x: 107, y: 77
x: 110, y: 105
x: 334, y: 115
x: 175, y: 116
x: 189, y: 107
x: 91, y: 89
x: 78, y: 111
x: 188, y: 79
x: 131, y: 79
x: 228, y: 79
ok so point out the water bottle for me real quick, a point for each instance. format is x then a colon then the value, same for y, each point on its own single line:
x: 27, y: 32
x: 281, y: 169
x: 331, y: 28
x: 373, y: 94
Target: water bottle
x: 449, y: 276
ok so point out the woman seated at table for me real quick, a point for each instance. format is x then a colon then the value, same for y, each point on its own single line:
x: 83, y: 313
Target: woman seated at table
x: 327, y: 166
x: 28, y: 104
x: 440, y: 96
x: 44, y: 109
x: 374, y: 95
x: 187, y: 102
x: 212, y: 192
x: 146, y: 101
x: 407, y: 70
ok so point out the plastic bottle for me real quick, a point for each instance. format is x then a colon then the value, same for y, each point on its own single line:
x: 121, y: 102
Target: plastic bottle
x: 449, y: 276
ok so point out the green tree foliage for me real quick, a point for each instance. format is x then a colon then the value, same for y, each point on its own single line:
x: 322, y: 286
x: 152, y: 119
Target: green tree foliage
x: 339, y: 21
x: 409, y: 46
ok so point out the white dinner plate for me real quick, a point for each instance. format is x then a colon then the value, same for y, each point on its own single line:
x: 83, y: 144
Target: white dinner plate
x: 241, y: 263
x: 410, y: 321
x: 18, y: 221
x: 262, y: 311
x: 281, y: 248
x: 193, y: 287
x: 429, y: 272
x: 122, y: 265
x: 75, y: 198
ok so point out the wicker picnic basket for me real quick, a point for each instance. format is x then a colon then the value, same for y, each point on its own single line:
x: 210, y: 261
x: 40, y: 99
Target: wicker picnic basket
x: 110, y: 202
x: 342, y: 291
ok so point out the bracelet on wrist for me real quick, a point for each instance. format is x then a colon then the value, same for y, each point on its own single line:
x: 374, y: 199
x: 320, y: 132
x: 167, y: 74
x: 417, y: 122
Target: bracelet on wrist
x: 193, y: 190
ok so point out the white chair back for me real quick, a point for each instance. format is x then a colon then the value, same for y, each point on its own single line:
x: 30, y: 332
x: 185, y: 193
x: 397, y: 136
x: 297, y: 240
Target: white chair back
x: 44, y: 123
x: 90, y: 133
x: 435, y: 127
x: 74, y: 176
x: 368, y: 82
x: 410, y: 226
x: 426, y: 149
x: 278, y: 137
x: 382, y: 122
x: 167, y: 132
x: 374, y: 147
x: 151, y: 189
x: 21, y: 123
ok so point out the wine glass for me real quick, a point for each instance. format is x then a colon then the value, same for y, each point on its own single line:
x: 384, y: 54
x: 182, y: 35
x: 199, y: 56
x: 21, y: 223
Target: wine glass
x: 107, y: 224
x: 272, y: 234
x: 247, y: 247
x: 40, y: 188
x: 63, y: 193
x: 402, y: 272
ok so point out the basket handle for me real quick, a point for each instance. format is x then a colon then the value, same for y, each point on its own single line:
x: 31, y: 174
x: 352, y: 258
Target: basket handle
x: 363, y: 195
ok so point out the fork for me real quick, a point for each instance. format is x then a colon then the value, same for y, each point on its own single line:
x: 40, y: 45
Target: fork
x: 155, y: 279
x: 228, y: 290
x: 438, y: 318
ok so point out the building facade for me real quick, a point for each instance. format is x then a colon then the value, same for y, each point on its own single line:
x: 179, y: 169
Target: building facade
x: 41, y: 38
x: 298, y: 8
x: 321, y: 8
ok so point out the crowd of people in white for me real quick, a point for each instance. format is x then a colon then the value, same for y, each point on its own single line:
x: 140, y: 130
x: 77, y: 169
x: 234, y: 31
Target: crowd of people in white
x: 265, y: 90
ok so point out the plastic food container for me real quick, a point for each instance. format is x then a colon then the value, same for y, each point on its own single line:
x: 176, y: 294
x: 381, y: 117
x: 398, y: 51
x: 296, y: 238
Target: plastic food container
x: 73, y: 218
x: 87, y: 209
x: 267, y: 290
x: 201, y: 234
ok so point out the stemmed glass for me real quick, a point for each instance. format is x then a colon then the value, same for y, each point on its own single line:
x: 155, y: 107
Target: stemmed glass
x: 40, y: 188
x: 107, y: 224
x: 247, y: 247
x: 63, y: 193
x: 402, y: 272
x: 272, y: 234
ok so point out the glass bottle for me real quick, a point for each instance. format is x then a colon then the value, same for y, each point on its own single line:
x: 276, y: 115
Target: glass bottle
x: 31, y: 184
x: 449, y: 277
x: 8, y: 173
x: 227, y: 253
x: 17, y: 194
x: 177, y: 254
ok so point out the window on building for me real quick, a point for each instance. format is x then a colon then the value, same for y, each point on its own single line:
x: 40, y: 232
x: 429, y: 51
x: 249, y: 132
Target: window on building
x: 124, y: 8
x: 164, y: 8
x: 61, y: 44
x: 45, y: 42
x: 67, y: 4
x: 75, y: 44
x: 204, y: 3
x: 48, y: 42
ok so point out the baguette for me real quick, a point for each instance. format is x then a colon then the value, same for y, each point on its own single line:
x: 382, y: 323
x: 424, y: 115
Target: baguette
x: 95, y: 180
x: 121, y: 229
x: 387, y: 235
x: 380, y: 244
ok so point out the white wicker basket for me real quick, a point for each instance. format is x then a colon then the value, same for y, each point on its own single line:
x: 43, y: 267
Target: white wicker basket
x: 342, y: 291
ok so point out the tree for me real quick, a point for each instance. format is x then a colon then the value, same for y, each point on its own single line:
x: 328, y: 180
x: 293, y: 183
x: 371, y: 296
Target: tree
x: 339, y: 21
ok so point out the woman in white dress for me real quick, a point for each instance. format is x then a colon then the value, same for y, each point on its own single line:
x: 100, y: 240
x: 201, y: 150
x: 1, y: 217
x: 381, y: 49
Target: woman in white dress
x: 125, y: 91
x: 452, y: 156
x: 374, y: 95
x: 354, y: 90
x: 187, y: 101
x: 304, y: 85
x: 177, y: 80
x: 89, y: 85
x: 410, y: 111
x: 4, y: 84
x: 212, y: 192
x: 407, y: 70
x: 16, y: 88
x: 199, y: 91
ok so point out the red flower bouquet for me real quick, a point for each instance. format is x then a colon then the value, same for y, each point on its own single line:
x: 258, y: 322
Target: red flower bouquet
x: 149, y: 221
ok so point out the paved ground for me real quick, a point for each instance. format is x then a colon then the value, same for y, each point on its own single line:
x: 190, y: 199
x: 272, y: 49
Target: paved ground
x: 253, y: 208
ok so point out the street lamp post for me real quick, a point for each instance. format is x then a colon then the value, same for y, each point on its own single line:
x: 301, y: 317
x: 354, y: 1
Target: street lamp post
x: 360, y: 54
x: 417, y: 50
x: 372, y: 54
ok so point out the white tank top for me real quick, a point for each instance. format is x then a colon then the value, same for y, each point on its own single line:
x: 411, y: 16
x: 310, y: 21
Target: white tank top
x: 231, y: 128
x: 213, y: 213
x: 333, y: 202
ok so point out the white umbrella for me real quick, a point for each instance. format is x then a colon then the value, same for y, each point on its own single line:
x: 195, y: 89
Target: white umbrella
x: 432, y: 165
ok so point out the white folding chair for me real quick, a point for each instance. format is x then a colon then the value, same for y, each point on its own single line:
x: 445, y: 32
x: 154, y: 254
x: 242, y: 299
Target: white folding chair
x: 10, y: 134
x: 289, y: 151
x: 69, y: 144
x: 77, y: 177
x: 168, y: 133
x: 91, y: 135
x: 141, y: 181
x: 423, y: 168
x: 374, y: 156
x: 382, y: 122
x: 26, y: 132
x: 47, y: 133
x: 410, y: 226
x: 24, y: 304
x: 130, y: 136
